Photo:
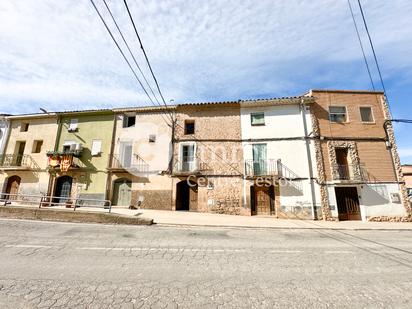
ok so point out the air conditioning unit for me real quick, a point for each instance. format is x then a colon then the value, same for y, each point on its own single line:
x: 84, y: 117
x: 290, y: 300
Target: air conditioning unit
x: 76, y: 147
x: 79, y: 147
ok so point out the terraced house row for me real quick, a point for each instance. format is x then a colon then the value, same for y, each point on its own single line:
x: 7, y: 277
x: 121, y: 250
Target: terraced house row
x: 328, y: 154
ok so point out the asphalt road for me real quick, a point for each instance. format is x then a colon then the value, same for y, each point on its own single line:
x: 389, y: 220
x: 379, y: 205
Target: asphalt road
x: 66, y: 265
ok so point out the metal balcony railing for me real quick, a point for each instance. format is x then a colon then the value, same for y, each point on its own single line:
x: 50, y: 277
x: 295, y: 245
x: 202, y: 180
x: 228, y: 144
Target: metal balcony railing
x: 133, y: 163
x: 17, y: 161
x: 262, y: 167
x: 348, y: 172
x: 189, y: 167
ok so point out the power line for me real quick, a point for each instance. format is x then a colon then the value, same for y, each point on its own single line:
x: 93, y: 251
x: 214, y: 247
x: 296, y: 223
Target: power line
x: 157, y: 84
x: 122, y: 53
x: 128, y: 48
x: 374, y: 54
x: 144, y: 52
x: 361, y: 45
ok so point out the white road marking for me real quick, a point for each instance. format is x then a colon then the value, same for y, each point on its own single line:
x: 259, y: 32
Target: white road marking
x: 158, y: 249
x: 337, y: 252
x: 286, y: 251
x: 27, y: 246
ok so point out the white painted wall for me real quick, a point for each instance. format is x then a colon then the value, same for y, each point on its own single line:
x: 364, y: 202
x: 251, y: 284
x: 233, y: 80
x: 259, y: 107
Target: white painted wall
x: 157, y: 155
x: 284, y: 121
x: 374, y: 200
x: 4, y: 132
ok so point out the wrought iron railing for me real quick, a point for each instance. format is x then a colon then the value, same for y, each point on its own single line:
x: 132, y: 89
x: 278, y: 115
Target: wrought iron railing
x: 17, y: 160
x: 262, y: 167
x: 352, y: 172
x: 133, y: 163
x: 43, y: 201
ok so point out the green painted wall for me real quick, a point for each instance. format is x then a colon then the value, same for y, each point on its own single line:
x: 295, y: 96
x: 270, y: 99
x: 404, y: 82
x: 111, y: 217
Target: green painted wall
x: 90, y: 126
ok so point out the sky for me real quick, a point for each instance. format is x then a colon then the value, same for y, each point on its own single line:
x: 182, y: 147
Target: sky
x: 58, y: 56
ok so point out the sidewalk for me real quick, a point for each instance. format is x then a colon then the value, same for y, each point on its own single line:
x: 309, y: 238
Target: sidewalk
x: 164, y: 217
x: 185, y: 218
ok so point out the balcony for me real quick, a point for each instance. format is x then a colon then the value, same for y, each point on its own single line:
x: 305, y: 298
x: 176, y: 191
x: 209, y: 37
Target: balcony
x: 17, y: 162
x: 133, y: 164
x: 348, y: 172
x: 65, y: 160
x: 262, y: 168
x: 181, y: 168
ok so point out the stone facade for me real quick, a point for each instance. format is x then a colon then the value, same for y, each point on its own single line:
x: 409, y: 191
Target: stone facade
x: 218, y: 155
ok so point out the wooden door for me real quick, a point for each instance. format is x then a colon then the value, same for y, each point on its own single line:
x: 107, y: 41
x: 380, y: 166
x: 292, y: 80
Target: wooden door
x: 122, y: 193
x: 348, y: 203
x: 262, y: 200
x: 193, y: 198
x: 13, y: 185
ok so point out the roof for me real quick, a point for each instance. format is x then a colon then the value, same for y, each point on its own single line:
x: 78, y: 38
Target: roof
x: 345, y: 91
x: 143, y: 108
x: 271, y: 101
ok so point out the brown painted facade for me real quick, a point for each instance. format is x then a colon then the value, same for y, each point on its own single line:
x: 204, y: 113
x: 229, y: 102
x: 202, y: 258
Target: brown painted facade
x: 355, y: 151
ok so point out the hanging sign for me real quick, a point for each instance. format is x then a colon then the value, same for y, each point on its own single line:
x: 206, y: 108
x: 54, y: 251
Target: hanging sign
x: 66, y: 162
x: 54, y: 161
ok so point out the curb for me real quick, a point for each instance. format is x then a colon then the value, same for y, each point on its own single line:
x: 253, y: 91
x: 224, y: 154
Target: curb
x: 61, y: 215
x: 183, y: 225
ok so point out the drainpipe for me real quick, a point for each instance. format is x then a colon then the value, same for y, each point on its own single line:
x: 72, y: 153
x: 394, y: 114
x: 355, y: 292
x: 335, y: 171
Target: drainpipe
x: 110, y: 161
x: 302, y: 107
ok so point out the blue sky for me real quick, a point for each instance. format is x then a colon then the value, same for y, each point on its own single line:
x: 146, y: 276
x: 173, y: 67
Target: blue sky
x: 57, y: 55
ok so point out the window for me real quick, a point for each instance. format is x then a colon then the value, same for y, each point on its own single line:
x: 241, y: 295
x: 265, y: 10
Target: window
x: 189, y: 127
x: 152, y: 138
x: 366, y: 114
x: 37, y: 146
x: 337, y: 114
x: 188, y: 157
x: 257, y: 119
x: 24, y: 127
x: 73, y: 125
x: 96, y: 147
x: 129, y: 121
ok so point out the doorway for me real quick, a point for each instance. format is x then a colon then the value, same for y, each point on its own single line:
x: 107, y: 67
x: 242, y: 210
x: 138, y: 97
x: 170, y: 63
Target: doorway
x: 122, y: 193
x: 342, y: 161
x: 12, y: 188
x: 63, y: 189
x: 126, y: 154
x: 186, y: 196
x: 259, y: 152
x: 262, y: 199
x: 19, y: 151
x: 347, y: 201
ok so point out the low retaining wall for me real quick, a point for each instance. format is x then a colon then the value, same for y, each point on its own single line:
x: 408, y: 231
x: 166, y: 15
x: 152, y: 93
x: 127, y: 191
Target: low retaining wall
x: 29, y: 213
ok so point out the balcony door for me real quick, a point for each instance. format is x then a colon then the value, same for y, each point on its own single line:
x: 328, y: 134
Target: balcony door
x: 259, y: 159
x: 126, y: 153
x: 342, y: 161
x: 19, y: 153
x: 188, y: 157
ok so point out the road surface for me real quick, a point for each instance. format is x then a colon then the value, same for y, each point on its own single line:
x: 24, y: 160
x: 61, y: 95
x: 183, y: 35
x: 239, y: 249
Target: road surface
x: 45, y: 264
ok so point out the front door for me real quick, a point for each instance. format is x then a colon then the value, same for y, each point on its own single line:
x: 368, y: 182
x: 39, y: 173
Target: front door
x: 13, y: 185
x: 262, y: 200
x: 63, y: 189
x: 122, y: 193
x: 348, y: 203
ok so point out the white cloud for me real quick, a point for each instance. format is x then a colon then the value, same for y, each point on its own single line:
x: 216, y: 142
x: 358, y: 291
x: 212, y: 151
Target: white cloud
x: 55, y: 52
